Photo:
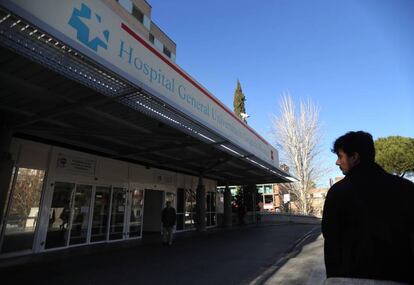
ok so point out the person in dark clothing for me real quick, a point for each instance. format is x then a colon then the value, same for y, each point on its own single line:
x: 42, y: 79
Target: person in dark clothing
x: 168, y: 218
x: 368, y: 219
x: 241, y: 213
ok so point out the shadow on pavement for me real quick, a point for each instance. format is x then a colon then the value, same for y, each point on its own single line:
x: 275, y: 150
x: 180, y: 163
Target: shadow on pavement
x: 290, y: 253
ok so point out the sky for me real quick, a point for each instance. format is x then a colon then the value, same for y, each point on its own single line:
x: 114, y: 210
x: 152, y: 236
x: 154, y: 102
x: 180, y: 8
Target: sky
x: 353, y: 58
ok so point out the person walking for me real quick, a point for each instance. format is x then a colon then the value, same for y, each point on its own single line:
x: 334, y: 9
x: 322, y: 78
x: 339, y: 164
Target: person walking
x: 168, y: 218
x: 366, y: 240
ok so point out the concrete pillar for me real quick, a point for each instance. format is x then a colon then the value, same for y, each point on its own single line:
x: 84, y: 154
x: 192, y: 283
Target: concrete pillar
x: 6, y: 167
x: 227, y: 207
x: 201, y: 206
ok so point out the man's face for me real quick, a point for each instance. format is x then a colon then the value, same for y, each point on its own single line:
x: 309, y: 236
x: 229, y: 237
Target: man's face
x: 345, y: 162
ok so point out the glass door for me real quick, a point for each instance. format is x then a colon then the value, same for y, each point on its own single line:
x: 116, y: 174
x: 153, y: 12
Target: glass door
x: 81, y: 205
x: 170, y: 197
x: 69, y: 215
x: 210, y: 209
x: 82, y: 214
x: 60, y: 213
x: 117, y: 218
x: 135, y: 209
x: 100, y: 218
x: 22, y: 210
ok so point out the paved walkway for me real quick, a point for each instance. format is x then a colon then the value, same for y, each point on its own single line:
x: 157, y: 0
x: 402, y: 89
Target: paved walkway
x: 302, y: 266
x: 279, y: 254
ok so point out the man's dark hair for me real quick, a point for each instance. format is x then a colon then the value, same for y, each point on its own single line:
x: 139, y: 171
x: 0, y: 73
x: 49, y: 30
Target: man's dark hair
x: 356, y: 142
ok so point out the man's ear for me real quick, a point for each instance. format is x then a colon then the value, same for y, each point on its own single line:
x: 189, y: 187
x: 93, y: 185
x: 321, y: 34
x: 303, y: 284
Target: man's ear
x: 355, y: 157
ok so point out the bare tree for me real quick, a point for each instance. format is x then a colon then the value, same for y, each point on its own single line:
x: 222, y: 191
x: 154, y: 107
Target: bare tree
x: 298, y: 135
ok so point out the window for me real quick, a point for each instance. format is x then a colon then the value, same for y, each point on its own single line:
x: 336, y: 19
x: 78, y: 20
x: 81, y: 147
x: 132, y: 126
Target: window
x: 151, y: 38
x: 22, y: 213
x: 167, y: 52
x: 147, y: 22
x: 137, y: 14
x: 268, y: 189
x: 158, y: 44
x: 127, y: 4
x: 268, y: 199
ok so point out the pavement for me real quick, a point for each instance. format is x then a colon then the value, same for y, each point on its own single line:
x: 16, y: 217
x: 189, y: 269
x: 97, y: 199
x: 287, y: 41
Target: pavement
x: 266, y: 254
x: 304, y: 265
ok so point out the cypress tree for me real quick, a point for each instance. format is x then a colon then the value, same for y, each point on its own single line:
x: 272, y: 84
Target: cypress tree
x: 238, y: 102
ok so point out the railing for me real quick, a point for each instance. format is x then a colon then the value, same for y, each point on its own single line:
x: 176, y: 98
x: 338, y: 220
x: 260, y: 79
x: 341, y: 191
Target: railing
x: 269, y: 218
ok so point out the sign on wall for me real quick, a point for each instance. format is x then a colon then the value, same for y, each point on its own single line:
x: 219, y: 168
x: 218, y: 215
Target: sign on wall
x: 75, y: 165
x: 95, y: 30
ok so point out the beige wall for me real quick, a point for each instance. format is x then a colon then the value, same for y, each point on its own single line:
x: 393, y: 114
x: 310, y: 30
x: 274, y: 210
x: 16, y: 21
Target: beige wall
x: 144, y: 6
x: 28, y: 154
x: 124, y: 14
x: 138, y: 26
x: 162, y: 37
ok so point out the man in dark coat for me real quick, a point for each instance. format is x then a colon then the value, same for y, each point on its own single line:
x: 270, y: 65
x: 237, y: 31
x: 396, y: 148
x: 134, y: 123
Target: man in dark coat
x: 168, y: 218
x: 368, y: 218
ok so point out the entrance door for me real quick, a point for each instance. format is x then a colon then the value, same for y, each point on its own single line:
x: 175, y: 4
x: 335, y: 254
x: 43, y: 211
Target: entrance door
x: 152, y: 210
x: 69, y: 215
x: 81, y: 207
x: 82, y: 214
x: 118, y: 208
x: 100, y: 218
x: 135, y: 202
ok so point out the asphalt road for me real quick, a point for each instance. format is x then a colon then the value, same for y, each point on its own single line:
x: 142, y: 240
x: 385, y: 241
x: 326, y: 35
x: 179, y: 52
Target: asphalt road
x: 246, y: 255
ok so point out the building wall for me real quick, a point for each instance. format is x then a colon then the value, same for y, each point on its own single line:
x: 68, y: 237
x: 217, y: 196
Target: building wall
x: 161, y: 39
x: 28, y: 154
x: 62, y: 165
x: 126, y: 15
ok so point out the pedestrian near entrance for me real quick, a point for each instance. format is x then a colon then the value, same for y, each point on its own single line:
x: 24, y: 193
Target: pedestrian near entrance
x: 169, y: 218
x: 364, y: 242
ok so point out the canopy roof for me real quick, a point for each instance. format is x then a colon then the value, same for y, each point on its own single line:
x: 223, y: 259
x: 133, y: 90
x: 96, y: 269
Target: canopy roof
x: 51, y: 93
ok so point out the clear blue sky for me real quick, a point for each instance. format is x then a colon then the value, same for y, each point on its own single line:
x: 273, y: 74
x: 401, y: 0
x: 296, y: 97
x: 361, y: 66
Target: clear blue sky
x: 354, y: 58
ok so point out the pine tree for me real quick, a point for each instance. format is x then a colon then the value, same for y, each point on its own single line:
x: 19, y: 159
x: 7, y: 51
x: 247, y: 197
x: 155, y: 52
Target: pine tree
x: 238, y: 102
x: 395, y: 154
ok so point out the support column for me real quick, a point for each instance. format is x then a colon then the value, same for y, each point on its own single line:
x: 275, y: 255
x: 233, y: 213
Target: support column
x: 6, y: 167
x: 227, y: 207
x: 201, y: 206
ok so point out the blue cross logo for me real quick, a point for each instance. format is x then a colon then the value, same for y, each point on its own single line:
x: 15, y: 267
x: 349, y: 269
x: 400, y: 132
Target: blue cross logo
x: 88, y: 28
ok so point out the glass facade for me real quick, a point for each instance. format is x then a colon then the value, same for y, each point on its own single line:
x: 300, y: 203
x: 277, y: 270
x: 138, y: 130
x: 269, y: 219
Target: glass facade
x: 135, y: 218
x: 23, y: 208
x: 116, y: 228
x: 80, y: 214
x: 186, y: 209
x: 84, y: 213
x: 60, y: 213
x: 100, y: 219
x: 190, y: 209
x: 210, y: 209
